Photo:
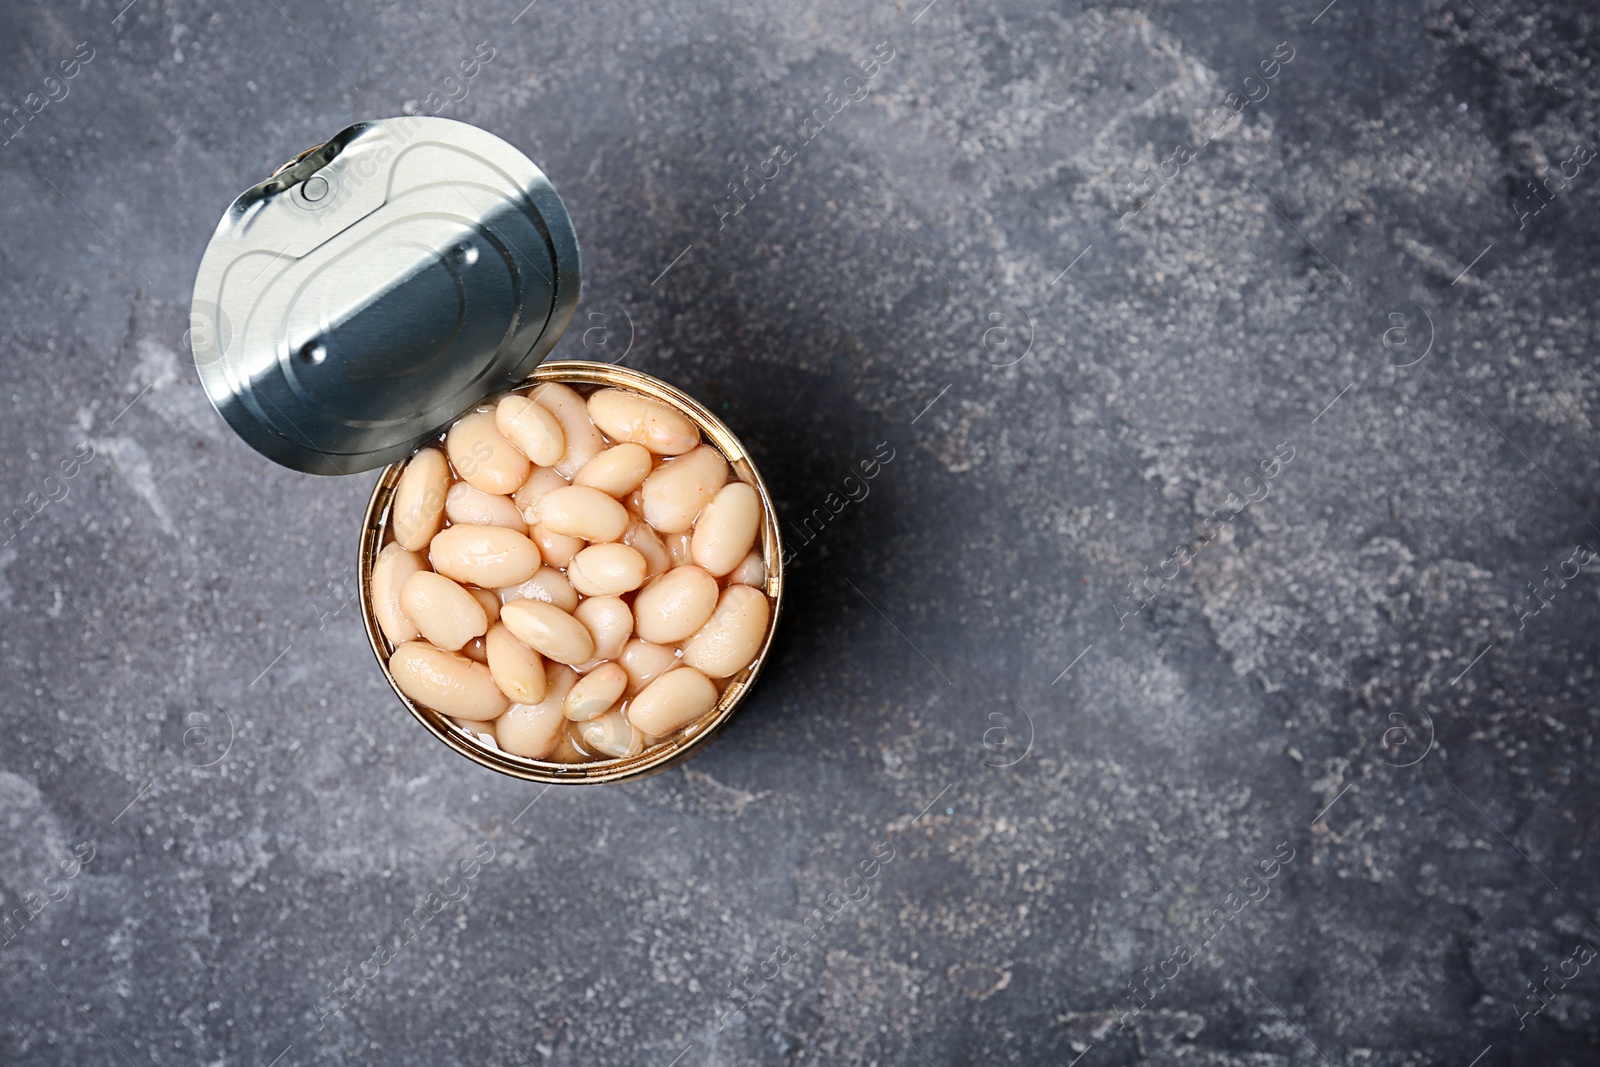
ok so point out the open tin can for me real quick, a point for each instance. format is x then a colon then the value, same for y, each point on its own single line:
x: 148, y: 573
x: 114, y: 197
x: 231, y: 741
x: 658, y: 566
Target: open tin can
x: 377, y: 288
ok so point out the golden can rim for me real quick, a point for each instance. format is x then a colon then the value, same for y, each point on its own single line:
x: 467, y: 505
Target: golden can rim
x: 583, y: 372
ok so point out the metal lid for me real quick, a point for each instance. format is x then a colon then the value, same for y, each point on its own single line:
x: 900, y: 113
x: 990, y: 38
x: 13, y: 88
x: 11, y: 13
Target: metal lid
x: 374, y: 289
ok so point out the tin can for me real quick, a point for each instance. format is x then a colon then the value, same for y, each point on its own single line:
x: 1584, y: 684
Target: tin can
x: 379, y: 286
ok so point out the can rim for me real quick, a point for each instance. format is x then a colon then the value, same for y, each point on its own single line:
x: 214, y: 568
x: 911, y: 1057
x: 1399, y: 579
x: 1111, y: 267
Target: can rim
x: 654, y: 760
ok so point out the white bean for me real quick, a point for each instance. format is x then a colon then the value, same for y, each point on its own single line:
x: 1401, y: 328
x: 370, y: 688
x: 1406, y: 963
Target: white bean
x: 681, y: 487
x: 448, y: 683
x: 482, y: 732
x: 476, y: 651
x: 548, y: 630
x: 611, y: 735
x: 582, y: 439
x: 752, y: 571
x: 557, y: 549
x: 581, y: 511
x: 626, y: 416
x: 727, y: 528
x: 674, y: 605
x: 596, y: 692
x: 485, y: 556
x: 567, y: 750
x: 609, y: 621
x: 730, y: 639
x: 679, y: 548
x: 417, y: 509
x: 480, y: 455
x: 645, y: 662
x: 466, y: 506
x: 548, y: 585
x: 517, y: 669
x: 606, y: 570
x: 446, y: 615
x: 617, y: 471
x: 645, y: 541
x: 530, y: 492
x: 535, y: 731
x: 532, y: 428
x: 672, y: 701
x: 490, y: 600
x: 389, y: 574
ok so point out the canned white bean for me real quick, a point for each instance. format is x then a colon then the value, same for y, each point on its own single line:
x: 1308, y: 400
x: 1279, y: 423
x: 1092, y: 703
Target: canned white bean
x: 633, y: 613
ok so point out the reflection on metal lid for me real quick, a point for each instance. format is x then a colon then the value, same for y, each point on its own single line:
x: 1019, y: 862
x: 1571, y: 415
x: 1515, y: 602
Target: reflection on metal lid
x: 367, y: 294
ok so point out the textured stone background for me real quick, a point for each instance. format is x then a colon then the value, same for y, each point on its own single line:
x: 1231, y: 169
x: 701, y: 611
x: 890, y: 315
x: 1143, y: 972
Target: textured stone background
x: 186, y: 689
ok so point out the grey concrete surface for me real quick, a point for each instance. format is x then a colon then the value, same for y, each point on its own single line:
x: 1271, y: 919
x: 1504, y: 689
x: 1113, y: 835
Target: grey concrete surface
x: 1060, y: 798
